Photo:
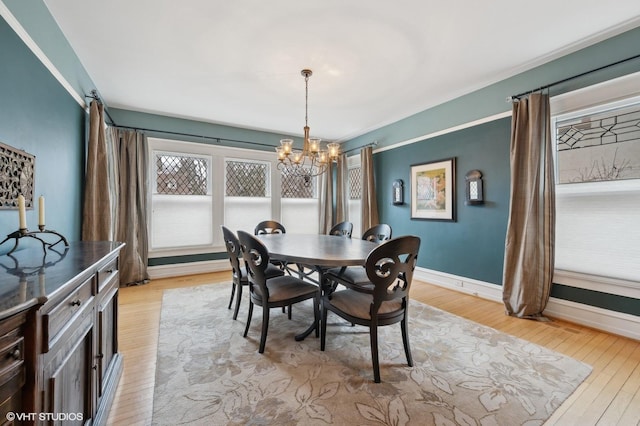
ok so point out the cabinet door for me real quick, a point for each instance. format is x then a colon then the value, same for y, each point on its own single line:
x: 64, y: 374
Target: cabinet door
x: 68, y: 379
x: 107, y: 336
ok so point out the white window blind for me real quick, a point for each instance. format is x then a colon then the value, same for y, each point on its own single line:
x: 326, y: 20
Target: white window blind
x: 598, y: 188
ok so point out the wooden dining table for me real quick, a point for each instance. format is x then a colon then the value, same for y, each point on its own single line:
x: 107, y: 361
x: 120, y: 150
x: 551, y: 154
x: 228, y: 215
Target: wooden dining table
x: 317, y: 251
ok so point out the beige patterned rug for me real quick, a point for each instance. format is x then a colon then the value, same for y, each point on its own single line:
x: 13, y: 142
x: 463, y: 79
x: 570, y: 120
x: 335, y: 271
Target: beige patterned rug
x: 464, y: 373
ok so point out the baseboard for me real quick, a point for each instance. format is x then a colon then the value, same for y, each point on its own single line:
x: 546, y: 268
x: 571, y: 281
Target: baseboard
x: 590, y: 316
x: 191, y: 268
x: 462, y: 284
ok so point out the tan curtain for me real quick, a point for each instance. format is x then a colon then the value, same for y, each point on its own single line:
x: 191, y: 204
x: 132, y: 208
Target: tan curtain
x: 96, y: 211
x: 369, y: 199
x: 342, y: 178
x: 131, y: 228
x: 326, y: 201
x: 529, y: 247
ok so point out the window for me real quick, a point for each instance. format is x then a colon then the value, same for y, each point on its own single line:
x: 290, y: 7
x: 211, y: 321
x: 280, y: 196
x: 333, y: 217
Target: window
x: 299, y: 201
x: 194, y: 188
x: 598, y: 187
x: 181, y: 200
x: 600, y: 146
x: 247, y: 198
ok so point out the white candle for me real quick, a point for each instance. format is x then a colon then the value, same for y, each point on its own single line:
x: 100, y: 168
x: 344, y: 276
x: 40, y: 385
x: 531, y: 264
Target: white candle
x: 41, y: 211
x: 22, y: 213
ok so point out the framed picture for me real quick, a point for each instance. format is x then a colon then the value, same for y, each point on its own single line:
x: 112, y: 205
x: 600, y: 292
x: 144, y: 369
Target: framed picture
x: 433, y: 190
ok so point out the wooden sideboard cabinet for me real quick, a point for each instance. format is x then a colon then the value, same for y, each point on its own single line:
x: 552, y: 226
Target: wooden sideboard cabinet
x: 71, y: 360
x: 12, y: 366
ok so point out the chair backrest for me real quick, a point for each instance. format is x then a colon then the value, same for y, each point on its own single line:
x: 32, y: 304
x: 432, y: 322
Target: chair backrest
x: 233, y: 249
x: 377, y: 233
x: 390, y: 268
x: 269, y: 227
x: 342, y: 229
x: 256, y: 258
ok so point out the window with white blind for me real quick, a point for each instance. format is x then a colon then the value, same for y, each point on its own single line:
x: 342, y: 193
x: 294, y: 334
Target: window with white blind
x: 597, y: 157
x: 299, y: 199
x: 247, y: 198
x: 181, y: 200
x: 194, y: 188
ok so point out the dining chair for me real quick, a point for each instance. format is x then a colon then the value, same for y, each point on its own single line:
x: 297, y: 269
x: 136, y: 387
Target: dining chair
x: 384, y: 301
x: 238, y: 269
x: 269, y: 227
x: 378, y: 233
x: 357, y: 275
x: 273, y: 227
x: 342, y: 229
x: 275, y: 292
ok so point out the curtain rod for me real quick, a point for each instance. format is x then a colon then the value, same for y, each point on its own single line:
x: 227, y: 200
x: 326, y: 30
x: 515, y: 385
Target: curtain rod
x: 94, y: 95
x: 213, y: 138
x: 564, y: 80
x: 374, y: 143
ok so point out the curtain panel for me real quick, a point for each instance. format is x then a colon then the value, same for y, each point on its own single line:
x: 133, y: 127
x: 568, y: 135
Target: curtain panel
x: 131, y: 223
x: 369, y: 200
x: 96, y: 209
x: 529, y: 245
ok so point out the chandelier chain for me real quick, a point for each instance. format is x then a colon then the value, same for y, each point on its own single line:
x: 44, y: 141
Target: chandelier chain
x: 312, y: 160
x: 306, y: 100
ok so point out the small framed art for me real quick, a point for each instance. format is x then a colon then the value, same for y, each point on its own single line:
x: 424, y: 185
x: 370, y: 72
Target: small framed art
x: 433, y: 190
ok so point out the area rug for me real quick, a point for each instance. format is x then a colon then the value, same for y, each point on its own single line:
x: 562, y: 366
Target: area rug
x: 464, y: 373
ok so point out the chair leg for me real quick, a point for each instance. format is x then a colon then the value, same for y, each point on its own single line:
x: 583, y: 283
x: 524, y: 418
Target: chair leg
x: 233, y: 292
x: 323, y: 326
x: 289, y: 311
x: 246, y: 329
x: 265, y: 328
x: 238, y: 299
x: 405, y: 339
x: 316, y: 312
x: 373, y: 333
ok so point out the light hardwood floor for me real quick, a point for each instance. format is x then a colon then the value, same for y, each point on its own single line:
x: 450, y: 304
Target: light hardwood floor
x: 609, y: 396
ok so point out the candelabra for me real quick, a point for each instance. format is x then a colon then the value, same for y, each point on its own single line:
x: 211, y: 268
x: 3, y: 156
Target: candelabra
x: 24, y: 232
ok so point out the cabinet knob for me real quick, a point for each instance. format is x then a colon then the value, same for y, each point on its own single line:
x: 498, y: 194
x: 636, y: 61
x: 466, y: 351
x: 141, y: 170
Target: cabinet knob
x: 76, y: 302
x: 109, y: 271
x: 16, y: 354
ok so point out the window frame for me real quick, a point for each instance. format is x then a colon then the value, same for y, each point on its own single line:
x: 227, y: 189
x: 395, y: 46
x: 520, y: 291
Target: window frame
x: 607, y: 95
x: 217, y: 189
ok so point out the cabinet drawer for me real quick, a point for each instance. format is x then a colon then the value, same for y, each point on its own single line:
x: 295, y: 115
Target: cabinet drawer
x: 11, y: 351
x: 63, y: 314
x: 107, y: 273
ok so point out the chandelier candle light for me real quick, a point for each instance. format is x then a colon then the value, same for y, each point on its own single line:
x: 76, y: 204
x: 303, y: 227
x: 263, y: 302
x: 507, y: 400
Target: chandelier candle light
x: 312, y: 160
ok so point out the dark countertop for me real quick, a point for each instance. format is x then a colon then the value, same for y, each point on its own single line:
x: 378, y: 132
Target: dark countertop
x: 30, y: 277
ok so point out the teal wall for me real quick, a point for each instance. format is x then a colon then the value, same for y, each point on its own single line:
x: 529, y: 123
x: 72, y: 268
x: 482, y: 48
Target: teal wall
x: 473, y: 245
x: 38, y: 116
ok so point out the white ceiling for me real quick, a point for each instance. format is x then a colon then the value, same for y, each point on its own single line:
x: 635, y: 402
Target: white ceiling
x: 374, y: 61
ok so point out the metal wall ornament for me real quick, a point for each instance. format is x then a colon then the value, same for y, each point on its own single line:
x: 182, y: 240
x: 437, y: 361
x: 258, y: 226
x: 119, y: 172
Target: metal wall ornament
x: 473, y: 188
x: 17, y: 170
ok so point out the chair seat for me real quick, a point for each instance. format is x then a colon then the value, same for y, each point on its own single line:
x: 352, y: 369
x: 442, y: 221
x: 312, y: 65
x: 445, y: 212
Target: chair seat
x: 354, y: 275
x: 285, y: 288
x: 357, y: 304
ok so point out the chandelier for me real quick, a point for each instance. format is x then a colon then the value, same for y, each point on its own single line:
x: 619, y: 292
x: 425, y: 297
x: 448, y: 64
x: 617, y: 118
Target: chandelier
x: 312, y: 160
